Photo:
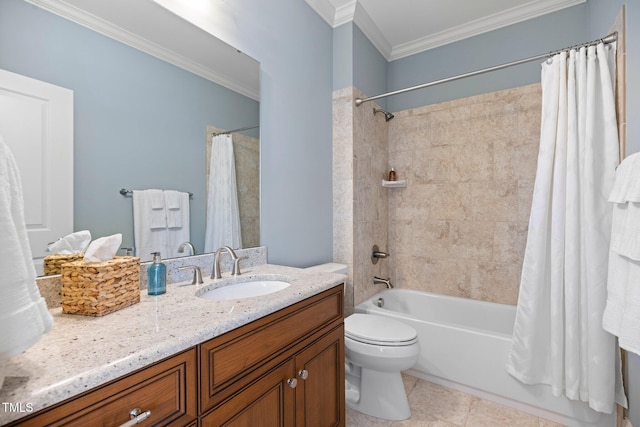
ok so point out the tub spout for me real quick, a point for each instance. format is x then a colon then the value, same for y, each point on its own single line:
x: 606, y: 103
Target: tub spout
x: 378, y: 281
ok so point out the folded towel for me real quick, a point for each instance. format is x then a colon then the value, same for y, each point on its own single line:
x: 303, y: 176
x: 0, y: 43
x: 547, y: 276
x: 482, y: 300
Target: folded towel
x: 144, y: 203
x: 23, y: 312
x: 621, y: 315
x: 156, y: 199
x: 177, y: 205
x: 173, y: 199
x: 626, y: 187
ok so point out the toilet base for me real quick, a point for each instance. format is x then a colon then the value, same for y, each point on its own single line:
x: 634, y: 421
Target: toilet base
x: 382, y: 395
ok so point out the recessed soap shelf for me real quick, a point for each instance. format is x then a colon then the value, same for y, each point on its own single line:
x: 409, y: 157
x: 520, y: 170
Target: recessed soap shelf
x: 394, y: 184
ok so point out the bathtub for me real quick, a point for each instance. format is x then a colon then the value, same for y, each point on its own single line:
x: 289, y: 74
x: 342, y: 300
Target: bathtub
x: 464, y: 345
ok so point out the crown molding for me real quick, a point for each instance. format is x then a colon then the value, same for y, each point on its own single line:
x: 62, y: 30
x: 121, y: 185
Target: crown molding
x: 493, y: 22
x: 105, y: 28
x: 345, y: 13
x: 371, y: 30
x: 325, y: 9
x: 354, y: 11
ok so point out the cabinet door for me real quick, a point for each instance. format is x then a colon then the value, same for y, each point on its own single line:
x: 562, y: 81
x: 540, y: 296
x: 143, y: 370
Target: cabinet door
x: 320, y: 391
x: 268, y: 402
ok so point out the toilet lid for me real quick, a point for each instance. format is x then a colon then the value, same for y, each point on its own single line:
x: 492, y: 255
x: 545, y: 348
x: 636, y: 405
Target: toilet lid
x: 379, y: 330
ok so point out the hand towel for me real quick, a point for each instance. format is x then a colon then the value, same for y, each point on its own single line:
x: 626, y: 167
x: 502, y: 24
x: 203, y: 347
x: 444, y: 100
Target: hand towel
x: 147, y: 239
x: 23, y: 312
x: 621, y: 315
x: 176, y: 203
x: 177, y: 222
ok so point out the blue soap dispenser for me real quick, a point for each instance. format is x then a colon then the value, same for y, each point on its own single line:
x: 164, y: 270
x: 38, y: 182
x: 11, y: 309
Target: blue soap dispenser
x: 156, y: 276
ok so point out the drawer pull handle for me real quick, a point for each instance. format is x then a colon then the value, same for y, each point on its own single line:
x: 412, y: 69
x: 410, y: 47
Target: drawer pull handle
x: 137, y: 416
x: 304, y: 374
x: 292, y: 382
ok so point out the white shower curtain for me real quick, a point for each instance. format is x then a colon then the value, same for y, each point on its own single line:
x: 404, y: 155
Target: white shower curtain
x: 558, y: 336
x: 223, y: 214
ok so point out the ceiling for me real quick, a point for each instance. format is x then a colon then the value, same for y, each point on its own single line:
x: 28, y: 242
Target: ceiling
x: 144, y: 27
x: 400, y: 28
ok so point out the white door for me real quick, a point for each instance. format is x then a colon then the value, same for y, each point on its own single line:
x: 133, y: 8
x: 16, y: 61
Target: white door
x: 36, y: 121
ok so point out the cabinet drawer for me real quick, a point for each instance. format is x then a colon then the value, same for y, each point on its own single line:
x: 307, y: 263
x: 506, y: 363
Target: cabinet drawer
x: 227, y: 358
x: 167, y: 389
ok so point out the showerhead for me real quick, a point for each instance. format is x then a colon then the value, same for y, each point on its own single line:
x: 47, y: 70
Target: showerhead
x: 387, y: 115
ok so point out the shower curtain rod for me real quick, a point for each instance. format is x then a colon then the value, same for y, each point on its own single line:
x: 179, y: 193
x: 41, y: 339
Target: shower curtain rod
x: 607, y: 39
x: 234, y: 130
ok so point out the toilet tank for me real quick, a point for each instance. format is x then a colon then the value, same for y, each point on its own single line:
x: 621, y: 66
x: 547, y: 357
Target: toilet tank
x: 330, y: 267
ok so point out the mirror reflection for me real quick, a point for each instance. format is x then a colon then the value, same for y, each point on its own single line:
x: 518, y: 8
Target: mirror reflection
x: 139, y: 122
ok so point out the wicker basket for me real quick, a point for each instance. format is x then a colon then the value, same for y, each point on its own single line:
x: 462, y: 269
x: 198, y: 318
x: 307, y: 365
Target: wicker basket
x: 53, y: 263
x: 99, y: 288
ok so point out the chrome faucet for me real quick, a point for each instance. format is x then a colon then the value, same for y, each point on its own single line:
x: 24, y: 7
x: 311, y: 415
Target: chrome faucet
x: 189, y: 245
x: 215, y: 274
x: 379, y: 280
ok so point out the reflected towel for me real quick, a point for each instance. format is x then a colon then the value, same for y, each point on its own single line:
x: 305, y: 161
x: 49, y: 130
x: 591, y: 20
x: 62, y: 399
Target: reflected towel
x: 148, y: 238
x: 177, y: 208
x: 23, y: 312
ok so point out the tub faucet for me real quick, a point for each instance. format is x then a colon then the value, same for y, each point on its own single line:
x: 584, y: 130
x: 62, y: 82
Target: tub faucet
x: 215, y: 273
x: 378, y: 281
x: 189, y: 245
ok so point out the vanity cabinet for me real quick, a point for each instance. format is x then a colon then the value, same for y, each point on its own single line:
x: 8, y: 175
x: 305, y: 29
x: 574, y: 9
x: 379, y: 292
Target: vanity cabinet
x: 167, y: 389
x: 285, y: 369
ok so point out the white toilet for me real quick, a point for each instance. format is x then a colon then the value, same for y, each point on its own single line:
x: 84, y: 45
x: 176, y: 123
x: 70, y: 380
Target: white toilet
x: 377, y: 349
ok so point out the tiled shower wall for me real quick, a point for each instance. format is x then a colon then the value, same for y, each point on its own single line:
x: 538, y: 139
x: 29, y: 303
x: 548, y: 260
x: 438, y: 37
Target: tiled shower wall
x: 360, y: 161
x: 459, y: 228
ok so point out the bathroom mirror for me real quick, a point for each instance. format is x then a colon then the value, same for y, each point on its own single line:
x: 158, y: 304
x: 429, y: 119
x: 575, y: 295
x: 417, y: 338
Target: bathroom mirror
x: 146, y: 84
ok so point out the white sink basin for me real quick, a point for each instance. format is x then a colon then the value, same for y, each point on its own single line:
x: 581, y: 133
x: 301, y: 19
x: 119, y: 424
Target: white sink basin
x: 254, y: 288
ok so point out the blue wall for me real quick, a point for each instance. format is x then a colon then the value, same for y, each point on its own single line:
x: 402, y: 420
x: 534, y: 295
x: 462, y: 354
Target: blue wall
x: 295, y: 49
x: 536, y: 36
x: 369, y: 67
x: 138, y: 122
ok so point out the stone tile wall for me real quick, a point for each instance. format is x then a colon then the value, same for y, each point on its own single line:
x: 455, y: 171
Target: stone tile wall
x: 459, y: 228
x: 360, y: 220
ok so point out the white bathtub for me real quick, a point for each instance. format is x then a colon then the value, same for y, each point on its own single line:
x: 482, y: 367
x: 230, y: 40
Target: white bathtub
x: 464, y: 345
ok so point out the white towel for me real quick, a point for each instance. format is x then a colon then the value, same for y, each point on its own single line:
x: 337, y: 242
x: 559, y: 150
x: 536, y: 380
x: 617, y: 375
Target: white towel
x: 23, y: 312
x: 621, y: 315
x: 177, y: 221
x: 156, y: 209
x: 177, y: 203
x: 148, y: 236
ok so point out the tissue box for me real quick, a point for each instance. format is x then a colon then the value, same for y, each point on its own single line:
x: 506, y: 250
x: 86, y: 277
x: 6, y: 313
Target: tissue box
x: 53, y: 263
x: 99, y: 288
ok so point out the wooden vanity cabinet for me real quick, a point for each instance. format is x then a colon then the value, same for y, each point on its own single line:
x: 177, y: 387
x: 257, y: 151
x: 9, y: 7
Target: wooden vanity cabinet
x: 285, y: 369
x: 167, y: 388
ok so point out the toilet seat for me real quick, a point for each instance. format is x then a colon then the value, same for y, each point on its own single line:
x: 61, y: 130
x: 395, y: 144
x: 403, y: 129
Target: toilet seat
x: 379, y: 330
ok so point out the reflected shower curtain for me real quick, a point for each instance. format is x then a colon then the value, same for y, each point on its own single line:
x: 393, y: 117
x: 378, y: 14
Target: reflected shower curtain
x: 223, y: 214
x: 558, y: 337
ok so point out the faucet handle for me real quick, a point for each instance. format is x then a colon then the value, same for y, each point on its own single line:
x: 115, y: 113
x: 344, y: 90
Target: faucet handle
x: 236, y: 265
x: 197, y: 274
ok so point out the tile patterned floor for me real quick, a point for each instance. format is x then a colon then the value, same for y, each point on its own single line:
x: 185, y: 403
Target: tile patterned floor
x: 433, y: 405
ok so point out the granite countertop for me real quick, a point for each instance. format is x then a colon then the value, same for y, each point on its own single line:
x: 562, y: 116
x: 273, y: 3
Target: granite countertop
x: 82, y: 352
